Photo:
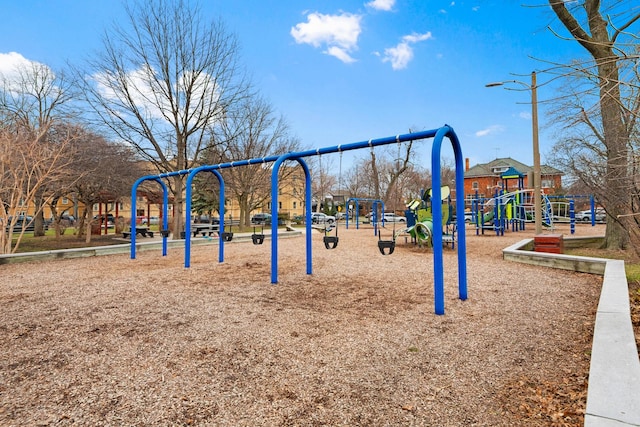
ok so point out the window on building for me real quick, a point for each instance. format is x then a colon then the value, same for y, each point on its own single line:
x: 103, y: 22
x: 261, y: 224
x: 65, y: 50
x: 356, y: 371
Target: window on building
x: 65, y: 200
x: 475, y: 185
x: 547, y: 183
x: 295, y: 205
x: 279, y: 205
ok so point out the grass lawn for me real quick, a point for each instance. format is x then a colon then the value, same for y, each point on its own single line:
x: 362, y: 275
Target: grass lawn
x: 66, y: 241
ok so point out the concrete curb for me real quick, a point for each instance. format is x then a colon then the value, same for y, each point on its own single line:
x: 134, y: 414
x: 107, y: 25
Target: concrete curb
x: 126, y: 247
x: 613, y: 396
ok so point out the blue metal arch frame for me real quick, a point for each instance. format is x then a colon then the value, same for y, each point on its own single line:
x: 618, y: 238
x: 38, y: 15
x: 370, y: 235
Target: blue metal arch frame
x: 165, y: 204
x: 437, y: 134
x: 274, y: 212
x: 187, y: 226
x: 438, y: 270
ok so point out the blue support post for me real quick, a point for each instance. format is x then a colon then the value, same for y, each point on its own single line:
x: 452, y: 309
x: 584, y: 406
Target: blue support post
x: 134, y: 217
x: 572, y: 216
x: 274, y: 212
x: 187, y: 226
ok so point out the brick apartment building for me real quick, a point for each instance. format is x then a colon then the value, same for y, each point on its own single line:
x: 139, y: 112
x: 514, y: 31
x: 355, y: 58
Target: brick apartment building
x: 509, y: 175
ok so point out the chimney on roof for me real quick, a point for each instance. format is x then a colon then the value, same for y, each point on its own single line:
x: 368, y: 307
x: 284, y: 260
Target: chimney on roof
x: 466, y: 164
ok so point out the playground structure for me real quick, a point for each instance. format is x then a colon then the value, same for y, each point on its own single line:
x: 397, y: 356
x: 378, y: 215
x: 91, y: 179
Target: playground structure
x: 420, y: 225
x: 436, y: 134
x: 515, y: 209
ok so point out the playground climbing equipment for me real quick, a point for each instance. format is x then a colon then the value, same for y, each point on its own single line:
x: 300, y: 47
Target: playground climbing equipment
x: 420, y: 225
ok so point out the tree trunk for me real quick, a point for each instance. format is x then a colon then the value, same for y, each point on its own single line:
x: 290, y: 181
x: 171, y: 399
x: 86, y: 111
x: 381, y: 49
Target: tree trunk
x: 178, y: 199
x: 616, y: 138
x: 5, y: 242
x: 245, y: 214
x: 87, y: 237
x: 375, y: 176
x: 601, y: 46
x: 38, y: 220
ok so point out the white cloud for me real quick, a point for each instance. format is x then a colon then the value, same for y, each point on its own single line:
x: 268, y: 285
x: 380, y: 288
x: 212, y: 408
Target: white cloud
x: 12, y: 63
x: 414, y: 38
x: 525, y: 115
x: 20, y: 74
x: 400, y: 55
x: 202, y: 90
x: 339, y: 53
x: 339, y: 33
x: 385, y: 5
x: 493, y: 129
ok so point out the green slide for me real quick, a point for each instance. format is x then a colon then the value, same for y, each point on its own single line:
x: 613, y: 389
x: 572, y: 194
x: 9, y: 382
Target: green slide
x: 422, y: 231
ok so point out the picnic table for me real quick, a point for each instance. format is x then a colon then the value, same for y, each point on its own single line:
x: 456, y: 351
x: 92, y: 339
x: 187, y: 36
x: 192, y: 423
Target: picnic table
x: 140, y: 231
x: 204, y: 229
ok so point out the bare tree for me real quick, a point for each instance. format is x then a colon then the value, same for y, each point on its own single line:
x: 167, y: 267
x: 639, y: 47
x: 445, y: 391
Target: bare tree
x: 323, y: 179
x: 250, y: 130
x: 26, y: 166
x: 605, y: 32
x: 385, y: 173
x: 415, y: 181
x: 37, y: 98
x: 164, y: 82
x: 106, y: 173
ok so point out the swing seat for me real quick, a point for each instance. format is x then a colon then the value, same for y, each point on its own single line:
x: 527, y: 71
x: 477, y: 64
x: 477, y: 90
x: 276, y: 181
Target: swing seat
x: 227, y: 236
x: 257, y: 239
x: 384, y: 245
x: 330, y: 242
x: 165, y: 233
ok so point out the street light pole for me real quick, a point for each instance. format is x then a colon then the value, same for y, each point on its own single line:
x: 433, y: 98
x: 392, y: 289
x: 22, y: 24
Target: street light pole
x: 537, y: 174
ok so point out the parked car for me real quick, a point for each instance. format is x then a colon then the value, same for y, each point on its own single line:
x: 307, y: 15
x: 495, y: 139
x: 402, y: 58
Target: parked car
x: 99, y: 219
x: 70, y: 218
x: 585, y: 216
x: 321, y: 218
x: 261, y: 219
x: 153, y: 220
x: 206, y: 219
x: 65, y: 220
x: 391, y: 217
x: 21, y: 221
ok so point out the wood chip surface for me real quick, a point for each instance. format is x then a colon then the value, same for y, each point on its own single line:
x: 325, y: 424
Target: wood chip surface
x: 110, y: 341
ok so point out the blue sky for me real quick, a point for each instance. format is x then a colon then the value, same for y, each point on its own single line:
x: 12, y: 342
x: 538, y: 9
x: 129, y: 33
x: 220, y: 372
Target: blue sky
x: 347, y: 71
